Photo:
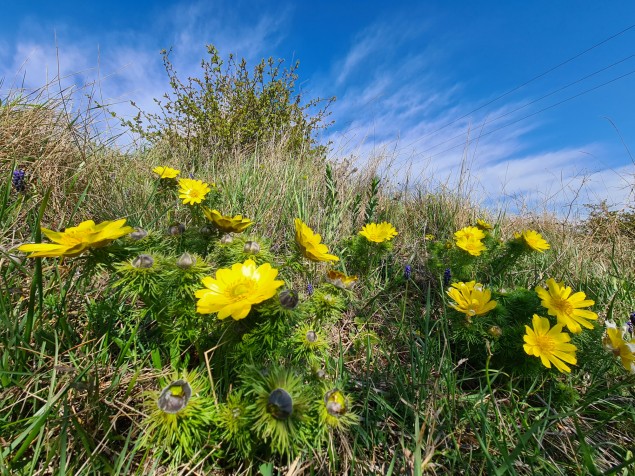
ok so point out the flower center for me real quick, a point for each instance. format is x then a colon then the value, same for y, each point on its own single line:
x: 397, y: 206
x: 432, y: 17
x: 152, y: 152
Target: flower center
x: 563, y: 306
x: 241, y: 289
x: 546, y: 344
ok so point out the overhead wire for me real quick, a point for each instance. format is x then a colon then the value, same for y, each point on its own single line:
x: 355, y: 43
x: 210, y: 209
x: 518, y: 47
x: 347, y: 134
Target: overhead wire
x: 533, y: 114
x: 529, y: 103
x: 529, y: 81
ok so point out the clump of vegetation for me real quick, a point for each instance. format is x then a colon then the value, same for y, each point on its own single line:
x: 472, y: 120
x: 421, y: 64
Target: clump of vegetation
x: 231, y: 109
x: 267, y: 314
x: 602, y: 221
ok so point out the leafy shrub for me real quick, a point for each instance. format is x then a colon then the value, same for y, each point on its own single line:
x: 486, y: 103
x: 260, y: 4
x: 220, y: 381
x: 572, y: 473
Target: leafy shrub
x: 229, y: 109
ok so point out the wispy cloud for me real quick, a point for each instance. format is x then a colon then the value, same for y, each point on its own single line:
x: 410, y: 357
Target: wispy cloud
x: 393, y: 102
x: 123, y: 65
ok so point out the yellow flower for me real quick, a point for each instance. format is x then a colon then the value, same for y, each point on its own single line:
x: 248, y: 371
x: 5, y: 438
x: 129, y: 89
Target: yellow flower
x: 559, y: 302
x: 235, y: 290
x: 550, y: 344
x: 237, y: 224
x: 469, y: 239
x: 77, y: 239
x: 193, y: 191
x: 166, y: 172
x: 471, y: 299
x: 533, y: 240
x: 469, y: 233
x: 615, y: 343
x: 472, y: 246
x: 483, y: 225
x: 340, y: 279
x: 309, y: 243
x: 429, y: 237
x: 379, y: 233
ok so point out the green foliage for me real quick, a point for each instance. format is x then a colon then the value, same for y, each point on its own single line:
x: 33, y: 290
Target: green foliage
x: 230, y: 108
x: 381, y: 377
x: 373, y: 200
x: 181, y: 434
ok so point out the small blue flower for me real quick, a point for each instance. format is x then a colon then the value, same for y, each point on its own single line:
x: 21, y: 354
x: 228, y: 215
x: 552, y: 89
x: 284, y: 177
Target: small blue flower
x: 309, y: 289
x: 407, y: 272
x: 447, y: 275
x: 18, y: 180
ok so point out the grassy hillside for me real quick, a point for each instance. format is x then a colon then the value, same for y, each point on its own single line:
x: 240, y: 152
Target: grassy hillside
x: 409, y: 354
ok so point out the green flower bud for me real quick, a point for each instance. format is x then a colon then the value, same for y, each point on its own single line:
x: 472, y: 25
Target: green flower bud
x: 138, y: 234
x: 186, y: 261
x: 143, y: 261
x: 335, y: 402
x: 175, y: 396
x: 207, y: 230
x: 288, y: 299
x: 280, y: 404
x: 227, y: 239
x: 176, y: 229
x: 252, y: 248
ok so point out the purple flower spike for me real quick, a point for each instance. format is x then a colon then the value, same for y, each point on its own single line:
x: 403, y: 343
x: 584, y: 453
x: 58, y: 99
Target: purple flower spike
x: 18, y: 180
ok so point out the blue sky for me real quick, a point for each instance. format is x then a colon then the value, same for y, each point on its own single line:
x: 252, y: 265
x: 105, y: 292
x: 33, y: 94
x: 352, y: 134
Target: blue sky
x: 419, y: 83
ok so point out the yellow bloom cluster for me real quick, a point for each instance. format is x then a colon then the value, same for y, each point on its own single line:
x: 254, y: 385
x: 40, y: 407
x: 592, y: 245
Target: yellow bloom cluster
x: 471, y: 299
x: 620, y: 347
x: 310, y: 244
x: 469, y: 239
x: 550, y: 344
x: 193, y: 191
x: 339, y: 279
x: 166, y: 172
x: 236, y: 224
x: 378, y: 233
x: 76, y: 239
x: 533, y: 240
x: 560, y: 302
x: 235, y: 290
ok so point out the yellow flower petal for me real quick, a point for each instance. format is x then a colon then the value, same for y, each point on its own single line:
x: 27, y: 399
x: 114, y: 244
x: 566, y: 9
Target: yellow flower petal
x: 378, y: 233
x: 549, y: 344
x: 309, y: 243
x: 234, y: 291
x: 75, y: 240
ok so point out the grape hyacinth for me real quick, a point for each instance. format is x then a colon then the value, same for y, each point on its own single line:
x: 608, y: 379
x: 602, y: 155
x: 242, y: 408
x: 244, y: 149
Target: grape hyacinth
x: 447, y: 275
x: 18, y: 180
x: 407, y: 272
x: 309, y: 289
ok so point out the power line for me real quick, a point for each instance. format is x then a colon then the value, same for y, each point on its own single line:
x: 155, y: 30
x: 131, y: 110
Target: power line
x: 533, y: 114
x: 551, y: 93
x: 516, y: 88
